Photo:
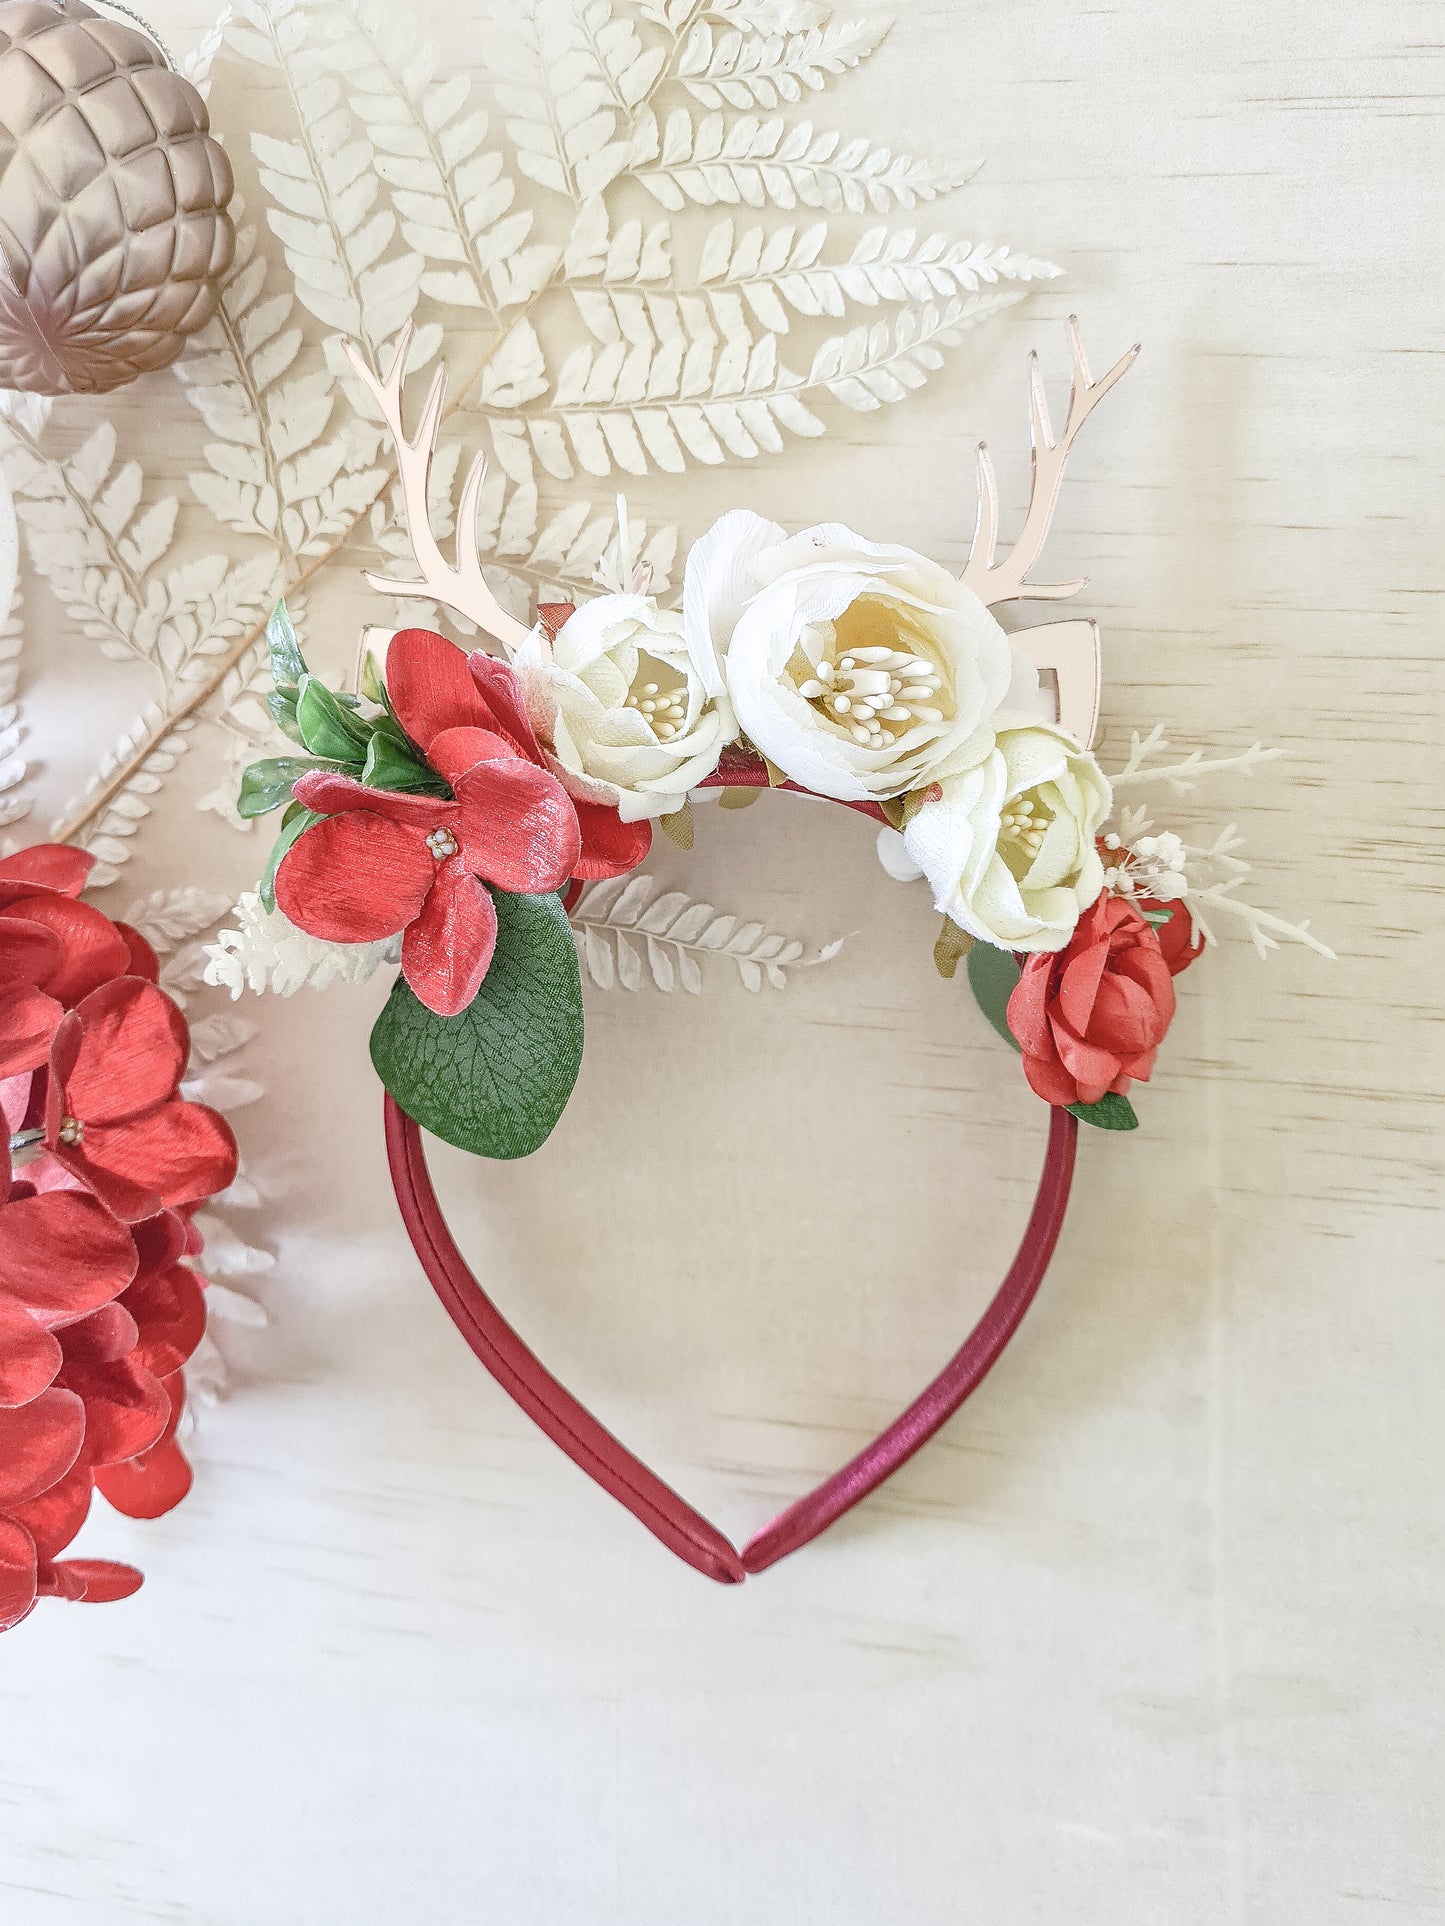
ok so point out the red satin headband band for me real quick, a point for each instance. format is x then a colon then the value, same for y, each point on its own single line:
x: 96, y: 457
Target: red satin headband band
x: 606, y: 1460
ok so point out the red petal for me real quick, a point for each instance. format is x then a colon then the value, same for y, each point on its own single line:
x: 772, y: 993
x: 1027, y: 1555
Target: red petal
x: 94, y: 949
x: 1079, y: 978
x: 552, y: 617
x: 123, y: 1198
x: 1092, y: 1069
x: 332, y: 795
x: 149, y: 1486
x: 143, y: 960
x: 30, y: 1357
x: 126, y: 1408
x: 610, y: 847
x: 130, y: 1054
x: 517, y: 825
x: 448, y: 950
x: 1048, y: 1079
x: 162, y: 1241
x: 1176, y: 937
x: 106, y: 1336
x: 1028, y: 1006
x: 355, y: 878
x: 455, y: 751
x: 28, y: 1022
x: 54, y: 1518
x: 431, y: 687
x: 18, y: 1564
x: 93, y: 1581
x: 180, y: 1152
x: 63, y: 1254
x: 498, y: 687
x: 52, y: 865
x: 29, y: 952
x: 170, y: 1310
x: 38, y: 1445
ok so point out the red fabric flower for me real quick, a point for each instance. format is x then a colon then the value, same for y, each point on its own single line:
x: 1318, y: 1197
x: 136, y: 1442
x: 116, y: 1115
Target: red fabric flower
x: 1090, y: 1017
x: 384, y: 862
x: 53, y: 949
x: 1176, y: 937
x: 433, y: 687
x: 113, y: 1118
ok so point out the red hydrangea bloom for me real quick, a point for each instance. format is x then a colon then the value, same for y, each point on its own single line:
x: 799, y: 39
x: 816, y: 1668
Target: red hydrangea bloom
x: 113, y: 1118
x: 384, y: 862
x: 433, y: 687
x: 97, y: 1316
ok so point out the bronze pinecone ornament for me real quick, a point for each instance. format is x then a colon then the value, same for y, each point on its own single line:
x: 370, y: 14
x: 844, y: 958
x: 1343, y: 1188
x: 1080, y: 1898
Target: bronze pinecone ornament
x: 114, y: 233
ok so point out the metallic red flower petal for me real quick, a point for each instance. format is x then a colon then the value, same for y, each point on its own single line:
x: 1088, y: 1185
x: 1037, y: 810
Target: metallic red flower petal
x: 332, y: 795
x: 355, y: 878
x: 18, y: 1573
x: 38, y: 1444
x: 122, y: 1196
x: 93, y: 1581
x: 164, y: 1240
x: 52, y: 865
x: 148, y: 1486
x: 129, y: 1056
x: 516, y: 825
x: 431, y: 688
x: 28, y: 1022
x: 126, y: 1408
x: 448, y: 950
x: 54, y: 1518
x: 455, y: 751
x: 62, y: 1254
x: 610, y: 847
x: 180, y: 1152
x: 104, y: 1337
x: 499, y: 689
x: 169, y: 1308
x: 30, y: 1357
x: 143, y: 960
x: 29, y: 952
x: 94, y: 950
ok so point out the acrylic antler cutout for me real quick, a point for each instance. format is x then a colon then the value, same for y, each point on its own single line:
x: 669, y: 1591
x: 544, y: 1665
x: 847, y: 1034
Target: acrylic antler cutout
x: 1068, y: 651
x: 461, y: 588
x: 1006, y: 581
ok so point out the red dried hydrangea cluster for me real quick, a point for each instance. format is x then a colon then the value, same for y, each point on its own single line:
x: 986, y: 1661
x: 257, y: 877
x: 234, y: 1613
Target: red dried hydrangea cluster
x: 102, y: 1163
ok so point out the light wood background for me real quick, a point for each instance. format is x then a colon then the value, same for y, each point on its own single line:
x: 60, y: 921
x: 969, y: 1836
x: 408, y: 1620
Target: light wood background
x: 1153, y: 1633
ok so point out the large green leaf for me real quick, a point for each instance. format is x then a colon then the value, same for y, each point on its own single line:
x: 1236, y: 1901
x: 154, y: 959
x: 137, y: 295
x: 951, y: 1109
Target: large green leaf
x: 288, y: 665
x: 992, y: 976
x: 392, y: 763
x: 329, y: 727
x: 495, y: 1079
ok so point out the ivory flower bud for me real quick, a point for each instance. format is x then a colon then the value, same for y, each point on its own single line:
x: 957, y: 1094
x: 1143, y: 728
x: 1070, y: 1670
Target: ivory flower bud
x: 628, y: 719
x: 1008, y: 847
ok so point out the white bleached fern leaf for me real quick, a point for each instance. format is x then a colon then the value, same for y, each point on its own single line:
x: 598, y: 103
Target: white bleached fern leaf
x: 627, y: 932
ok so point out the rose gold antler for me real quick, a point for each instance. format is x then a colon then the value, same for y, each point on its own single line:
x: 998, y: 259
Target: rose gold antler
x: 1004, y: 581
x: 461, y: 588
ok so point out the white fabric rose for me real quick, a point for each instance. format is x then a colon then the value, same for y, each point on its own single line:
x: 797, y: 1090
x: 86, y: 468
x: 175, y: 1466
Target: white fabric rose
x: 860, y: 668
x: 1008, y: 847
x: 628, y: 719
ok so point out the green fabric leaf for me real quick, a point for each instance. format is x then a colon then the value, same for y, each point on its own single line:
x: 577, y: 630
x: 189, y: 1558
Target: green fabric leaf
x: 328, y: 727
x: 266, y: 785
x: 392, y: 763
x: 495, y: 1079
x: 1111, y: 1112
x: 294, y: 823
x: 282, y: 706
x: 288, y: 665
x: 992, y: 975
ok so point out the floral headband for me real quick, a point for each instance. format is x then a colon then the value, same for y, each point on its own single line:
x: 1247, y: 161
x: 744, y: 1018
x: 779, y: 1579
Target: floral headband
x: 446, y: 817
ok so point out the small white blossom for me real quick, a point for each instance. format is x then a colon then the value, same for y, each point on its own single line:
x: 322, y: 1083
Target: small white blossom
x: 269, y: 953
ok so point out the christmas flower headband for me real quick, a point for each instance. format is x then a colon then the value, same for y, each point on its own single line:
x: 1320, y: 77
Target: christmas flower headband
x: 444, y: 815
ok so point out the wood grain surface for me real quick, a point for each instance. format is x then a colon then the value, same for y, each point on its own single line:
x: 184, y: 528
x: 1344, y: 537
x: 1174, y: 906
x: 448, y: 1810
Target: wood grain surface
x: 1153, y: 1632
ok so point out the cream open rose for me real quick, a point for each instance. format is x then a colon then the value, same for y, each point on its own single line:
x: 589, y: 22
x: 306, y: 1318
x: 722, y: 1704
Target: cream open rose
x: 860, y: 668
x: 616, y: 695
x: 1008, y: 847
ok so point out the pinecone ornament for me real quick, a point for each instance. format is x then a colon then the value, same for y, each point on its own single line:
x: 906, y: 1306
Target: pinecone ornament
x: 113, y: 225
